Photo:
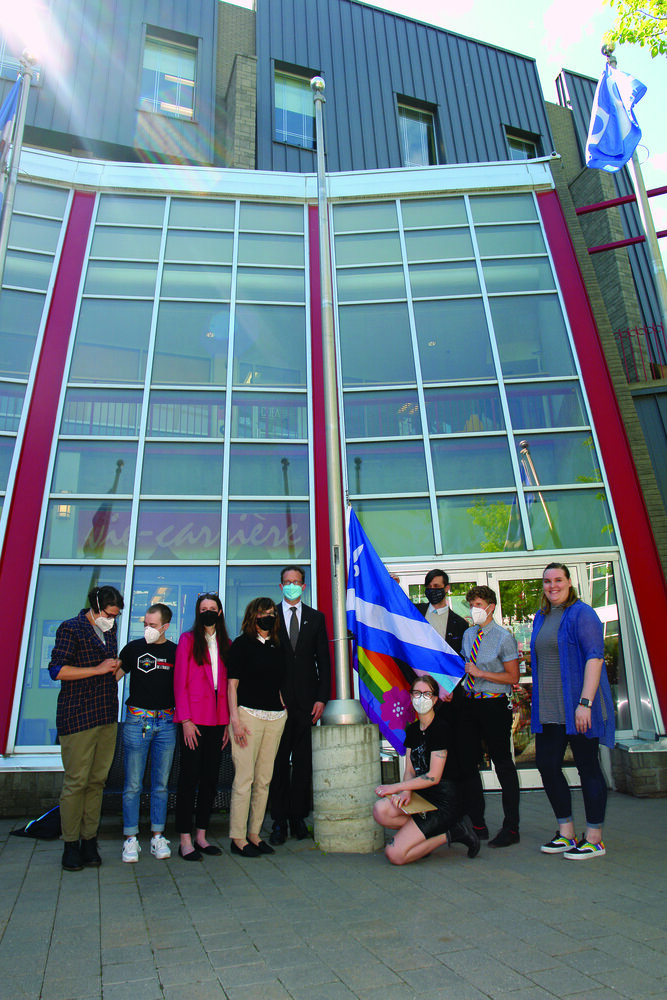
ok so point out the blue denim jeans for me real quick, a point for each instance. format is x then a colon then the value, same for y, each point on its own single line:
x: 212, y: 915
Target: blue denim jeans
x: 139, y: 734
x: 550, y: 747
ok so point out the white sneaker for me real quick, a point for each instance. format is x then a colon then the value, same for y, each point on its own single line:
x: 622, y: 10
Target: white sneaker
x: 131, y: 849
x: 160, y: 847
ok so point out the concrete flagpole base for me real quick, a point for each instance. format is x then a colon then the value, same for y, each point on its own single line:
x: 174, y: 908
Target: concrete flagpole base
x: 346, y: 772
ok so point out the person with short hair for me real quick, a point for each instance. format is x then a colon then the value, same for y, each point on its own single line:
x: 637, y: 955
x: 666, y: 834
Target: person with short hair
x: 492, y: 666
x: 85, y: 660
x: 149, y: 725
x: 437, y: 612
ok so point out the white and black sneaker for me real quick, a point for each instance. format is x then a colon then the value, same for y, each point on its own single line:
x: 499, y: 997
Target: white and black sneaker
x: 559, y: 844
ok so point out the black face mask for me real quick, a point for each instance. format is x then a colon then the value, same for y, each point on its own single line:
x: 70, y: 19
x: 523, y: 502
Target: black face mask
x: 433, y: 595
x: 266, y: 623
x: 208, y: 617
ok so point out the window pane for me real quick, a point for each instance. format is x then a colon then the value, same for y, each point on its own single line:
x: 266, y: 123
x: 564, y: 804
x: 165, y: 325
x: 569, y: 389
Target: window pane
x: 268, y: 470
x: 196, y: 281
x: 180, y: 469
x: 538, y: 345
x: 38, y: 200
x: 130, y: 210
x: 270, y: 284
x: 270, y: 346
x: 186, y: 414
x: 397, y: 527
x: 133, y: 243
x: 6, y: 453
x: 425, y: 212
x: 30, y: 233
x: 546, y: 404
x: 531, y: 274
x: 87, y: 529
x: 260, y: 415
x: 521, y: 149
x: 444, y: 279
x: 176, y: 586
x: 471, y: 463
x: 438, y: 244
x: 178, y: 529
x: 503, y: 208
x: 109, y: 277
x: 392, y: 467
x: 94, y: 467
x: 61, y: 593
x: 267, y: 217
x: 269, y: 530
x: 362, y: 331
x: 11, y: 405
x: 191, y: 343
x: 475, y: 524
x: 111, y: 341
x: 27, y: 270
x: 451, y: 411
x: 381, y: 414
x: 191, y: 247
x: 559, y: 458
x: 199, y: 212
x: 294, y: 111
x: 244, y: 583
x: 417, y: 141
x: 269, y: 248
x: 359, y: 283
x: 497, y: 241
x: 453, y: 340
x: 101, y: 411
x: 575, y: 519
x: 362, y: 217
x: 368, y: 248
x: 168, y: 78
x: 20, y: 317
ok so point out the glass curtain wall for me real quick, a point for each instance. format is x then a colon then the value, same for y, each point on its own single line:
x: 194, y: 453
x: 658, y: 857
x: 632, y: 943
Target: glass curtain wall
x: 183, y: 442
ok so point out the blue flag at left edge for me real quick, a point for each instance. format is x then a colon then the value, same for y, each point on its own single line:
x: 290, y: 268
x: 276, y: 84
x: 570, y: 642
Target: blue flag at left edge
x: 393, y: 642
x: 614, y: 134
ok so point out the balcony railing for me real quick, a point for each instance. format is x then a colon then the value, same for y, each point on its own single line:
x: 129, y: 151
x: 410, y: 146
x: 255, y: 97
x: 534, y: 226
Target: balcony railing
x: 643, y: 351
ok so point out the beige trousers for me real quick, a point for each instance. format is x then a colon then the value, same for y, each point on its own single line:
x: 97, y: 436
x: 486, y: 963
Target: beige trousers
x: 253, y: 769
x: 87, y: 757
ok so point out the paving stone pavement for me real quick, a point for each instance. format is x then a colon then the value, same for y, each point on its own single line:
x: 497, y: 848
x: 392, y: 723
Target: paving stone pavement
x: 512, y: 924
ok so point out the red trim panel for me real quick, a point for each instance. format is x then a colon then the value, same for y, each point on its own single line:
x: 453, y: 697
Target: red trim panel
x: 640, y: 549
x: 31, y: 483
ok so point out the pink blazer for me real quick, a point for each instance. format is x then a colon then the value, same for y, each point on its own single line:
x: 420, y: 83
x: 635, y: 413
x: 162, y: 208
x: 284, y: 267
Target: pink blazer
x: 193, y: 687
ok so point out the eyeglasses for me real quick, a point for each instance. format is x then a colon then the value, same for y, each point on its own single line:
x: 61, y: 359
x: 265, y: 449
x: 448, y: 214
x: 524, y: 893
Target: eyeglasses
x: 107, y: 614
x: 423, y: 694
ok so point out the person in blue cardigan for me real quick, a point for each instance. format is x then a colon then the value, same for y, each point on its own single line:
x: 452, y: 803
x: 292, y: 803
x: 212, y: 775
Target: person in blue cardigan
x: 571, y: 703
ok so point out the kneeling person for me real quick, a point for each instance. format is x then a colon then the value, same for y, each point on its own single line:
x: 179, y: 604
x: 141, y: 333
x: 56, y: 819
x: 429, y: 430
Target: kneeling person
x: 431, y: 772
x: 149, y: 723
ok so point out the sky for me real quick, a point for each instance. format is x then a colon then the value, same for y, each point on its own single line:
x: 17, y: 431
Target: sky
x: 566, y: 34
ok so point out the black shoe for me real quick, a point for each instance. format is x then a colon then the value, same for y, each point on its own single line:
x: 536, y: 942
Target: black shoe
x: 90, y: 856
x: 505, y: 838
x: 192, y: 856
x: 264, y: 848
x: 213, y: 852
x: 299, y: 829
x: 278, y: 834
x: 464, y: 833
x: 72, y: 860
x: 481, y: 831
x: 249, y: 851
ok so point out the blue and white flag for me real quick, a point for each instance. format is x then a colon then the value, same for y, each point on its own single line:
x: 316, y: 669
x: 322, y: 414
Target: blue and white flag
x: 393, y: 642
x: 614, y: 133
x: 7, y: 116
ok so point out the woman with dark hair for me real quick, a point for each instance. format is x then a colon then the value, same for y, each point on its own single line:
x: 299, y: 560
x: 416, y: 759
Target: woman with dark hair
x: 430, y: 771
x: 571, y: 703
x: 84, y: 659
x: 200, y: 690
x: 257, y: 717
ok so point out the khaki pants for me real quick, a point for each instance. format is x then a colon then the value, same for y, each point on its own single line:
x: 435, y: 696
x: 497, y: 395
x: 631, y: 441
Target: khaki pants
x: 87, y: 757
x: 253, y: 768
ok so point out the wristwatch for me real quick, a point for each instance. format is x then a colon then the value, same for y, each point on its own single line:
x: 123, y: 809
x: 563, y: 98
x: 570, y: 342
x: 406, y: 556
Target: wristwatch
x: 585, y: 702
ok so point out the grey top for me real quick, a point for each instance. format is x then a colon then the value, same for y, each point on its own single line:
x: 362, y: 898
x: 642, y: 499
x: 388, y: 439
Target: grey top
x: 497, y: 648
x: 552, y: 705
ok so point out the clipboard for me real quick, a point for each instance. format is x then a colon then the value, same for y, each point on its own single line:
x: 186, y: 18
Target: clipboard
x: 417, y: 804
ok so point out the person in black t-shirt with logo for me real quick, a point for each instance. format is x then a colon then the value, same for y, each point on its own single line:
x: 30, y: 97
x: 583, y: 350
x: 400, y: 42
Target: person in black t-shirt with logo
x: 431, y: 772
x: 149, y: 723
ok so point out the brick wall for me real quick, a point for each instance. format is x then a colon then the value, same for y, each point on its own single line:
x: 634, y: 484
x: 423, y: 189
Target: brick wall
x: 235, y: 88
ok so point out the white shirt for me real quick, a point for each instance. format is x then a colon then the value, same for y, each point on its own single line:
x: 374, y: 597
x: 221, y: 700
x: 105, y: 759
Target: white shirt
x: 287, y: 613
x: 212, y: 641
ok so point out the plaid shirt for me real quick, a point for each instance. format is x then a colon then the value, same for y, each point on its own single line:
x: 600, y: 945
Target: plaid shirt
x: 92, y: 701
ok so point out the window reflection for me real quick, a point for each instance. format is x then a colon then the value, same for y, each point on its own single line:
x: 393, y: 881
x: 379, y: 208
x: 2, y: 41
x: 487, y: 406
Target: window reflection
x: 270, y: 284
x: 438, y: 244
x: 270, y: 346
x: 191, y: 343
x: 499, y: 241
x: 391, y: 467
x: 263, y: 415
x: 178, y: 529
x: 179, y: 468
x: 176, y: 586
x: 268, y: 470
x: 503, y: 207
x: 368, y: 248
x: 204, y: 213
x: 546, y: 404
x: 528, y: 274
x: 86, y: 529
x: 359, y: 284
x: 111, y: 341
x: 27, y: 270
x: 558, y: 458
x: 130, y: 210
x: 453, y: 340
x: 113, y: 412
x: 363, y: 330
x: 20, y: 318
x: 452, y: 411
x: 6, y: 453
x: 397, y: 527
x: 110, y: 277
x: 90, y: 466
x: 602, y: 587
x: 381, y: 414
x: 186, y: 414
x: 28, y: 232
x: 471, y: 464
x: 538, y: 345
x: 422, y: 212
x: 11, y: 405
x: 569, y: 518
x: 482, y: 523
x: 131, y: 242
x: 268, y: 530
x: 458, y: 278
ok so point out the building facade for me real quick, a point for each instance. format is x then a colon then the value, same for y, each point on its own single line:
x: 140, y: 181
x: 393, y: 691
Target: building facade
x: 161, y: 415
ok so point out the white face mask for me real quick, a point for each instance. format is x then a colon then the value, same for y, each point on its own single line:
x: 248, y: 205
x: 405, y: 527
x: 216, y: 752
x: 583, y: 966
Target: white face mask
x: 422, y: 703
x: 479, y: 615
x: 105, y: 624
x: 152, y: 634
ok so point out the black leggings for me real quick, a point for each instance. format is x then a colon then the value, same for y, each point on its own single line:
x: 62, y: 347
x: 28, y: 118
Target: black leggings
x: 198, y: 778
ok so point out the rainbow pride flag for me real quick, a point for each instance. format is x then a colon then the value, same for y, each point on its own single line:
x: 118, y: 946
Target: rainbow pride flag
x: 393, y: 642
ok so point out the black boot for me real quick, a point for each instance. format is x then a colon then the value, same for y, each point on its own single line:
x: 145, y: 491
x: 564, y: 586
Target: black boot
x: 90, y: 856
x: 72, y: 860
x: 464, y: 833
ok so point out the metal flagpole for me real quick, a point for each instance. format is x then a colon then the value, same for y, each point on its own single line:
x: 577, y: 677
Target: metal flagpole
x: 25, y: 72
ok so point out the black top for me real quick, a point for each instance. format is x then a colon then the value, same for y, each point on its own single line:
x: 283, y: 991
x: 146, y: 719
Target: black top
x: 259, y: 668
x: 438, y: 736
x: 308, y: 667
x: 151, y: 670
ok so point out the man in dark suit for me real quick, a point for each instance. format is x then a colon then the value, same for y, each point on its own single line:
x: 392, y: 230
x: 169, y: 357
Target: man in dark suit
x: 305, y: 690
x: 438, y: 613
